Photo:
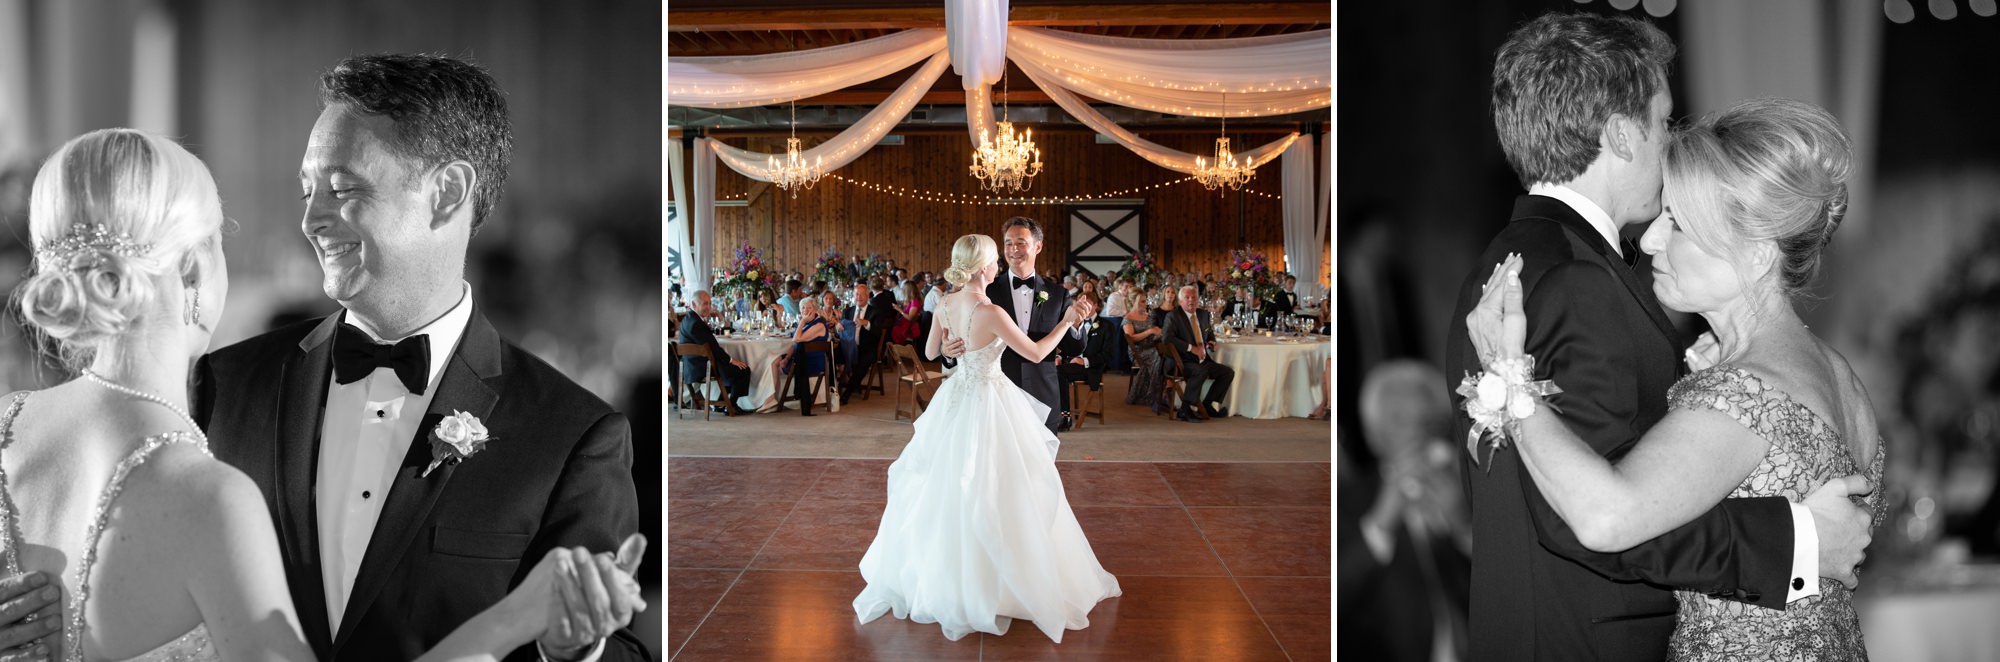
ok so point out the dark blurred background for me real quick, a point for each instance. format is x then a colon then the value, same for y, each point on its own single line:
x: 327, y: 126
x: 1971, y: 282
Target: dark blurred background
x: 569, y: 265
x: 1910, y: 292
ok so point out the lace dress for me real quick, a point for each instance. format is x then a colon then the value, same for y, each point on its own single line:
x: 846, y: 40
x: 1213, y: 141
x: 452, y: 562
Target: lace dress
x: 191, y: 647
x: 977, y: 530
x: 1148, y: 378
x: 1805, y: 452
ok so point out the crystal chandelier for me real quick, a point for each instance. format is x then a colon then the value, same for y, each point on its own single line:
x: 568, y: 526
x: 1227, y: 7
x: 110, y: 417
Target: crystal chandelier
x: 1005, y: 162
x: 793, y: 173
x: 1225, y: 169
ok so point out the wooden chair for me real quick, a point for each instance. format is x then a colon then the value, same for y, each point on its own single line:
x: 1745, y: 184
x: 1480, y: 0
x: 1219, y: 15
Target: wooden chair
x: 912, y: 371
x: 884, y: 361
x: 694, y: 391
x: 1081, y: 396
x: 824, y: 393
x: 1175, y: 384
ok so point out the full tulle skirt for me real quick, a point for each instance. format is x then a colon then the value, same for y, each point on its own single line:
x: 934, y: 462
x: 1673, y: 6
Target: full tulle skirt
x: 977, y: 531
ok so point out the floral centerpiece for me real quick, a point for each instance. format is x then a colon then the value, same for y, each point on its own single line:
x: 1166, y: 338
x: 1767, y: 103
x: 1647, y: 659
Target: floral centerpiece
x: 1250, y: 270
x: 1143, y: 269
x: 747, y: 275
x: 832, y: 268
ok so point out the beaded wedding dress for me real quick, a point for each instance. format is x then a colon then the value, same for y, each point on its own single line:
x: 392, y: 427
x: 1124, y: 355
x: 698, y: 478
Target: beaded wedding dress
x: 191, y: 647
x: 1805, y: 452
x: 977, y: 530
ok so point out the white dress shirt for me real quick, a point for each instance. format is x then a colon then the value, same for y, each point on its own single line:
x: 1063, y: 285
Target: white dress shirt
x: 1024, y: 304
x: 367, y: 429
x: 1586, y: 208
x: 1805, y: 537
x: 931, y: 300
x: 1114, y: 305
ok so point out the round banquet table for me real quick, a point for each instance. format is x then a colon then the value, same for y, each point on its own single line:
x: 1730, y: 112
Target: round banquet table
x: 1275, y: 378
x: 761, y: 354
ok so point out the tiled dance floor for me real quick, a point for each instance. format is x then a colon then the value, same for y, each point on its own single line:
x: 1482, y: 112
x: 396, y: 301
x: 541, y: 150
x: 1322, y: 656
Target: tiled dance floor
x: 1218, y: 561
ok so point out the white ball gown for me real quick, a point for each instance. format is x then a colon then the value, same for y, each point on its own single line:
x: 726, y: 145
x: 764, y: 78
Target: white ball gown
x: 977, y: 531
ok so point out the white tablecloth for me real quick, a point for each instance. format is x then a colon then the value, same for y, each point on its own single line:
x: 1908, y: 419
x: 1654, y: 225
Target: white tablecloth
x: 1275, y: 379
x: 761, y: 354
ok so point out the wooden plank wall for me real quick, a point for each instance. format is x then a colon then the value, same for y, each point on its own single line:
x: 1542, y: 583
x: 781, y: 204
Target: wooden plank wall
x: 1188, y: 227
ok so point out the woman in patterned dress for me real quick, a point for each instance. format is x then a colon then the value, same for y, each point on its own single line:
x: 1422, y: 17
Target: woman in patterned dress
x: 1753, y: 193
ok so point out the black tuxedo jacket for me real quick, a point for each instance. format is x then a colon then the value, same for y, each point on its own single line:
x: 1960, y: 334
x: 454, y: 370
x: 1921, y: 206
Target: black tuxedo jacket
x: 1094, y: 346
x: 1177, y: 331
x: 558, y: 473
x: 1038, y: 379
x: 696, y: 331
x: 1595, y: 328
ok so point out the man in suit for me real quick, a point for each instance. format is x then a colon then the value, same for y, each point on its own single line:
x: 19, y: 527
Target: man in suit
x: 1193, y: 335
x: 385, y: 555
x: 1286, y: 301
x: 1084, y: 359
x: 1585, y: 130
x: 1037, y: 305
x: 695, y: 331
x: 873, y: 313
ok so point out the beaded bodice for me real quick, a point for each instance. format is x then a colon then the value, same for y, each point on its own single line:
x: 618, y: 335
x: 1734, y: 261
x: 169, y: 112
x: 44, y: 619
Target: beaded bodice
x: 193, y: 646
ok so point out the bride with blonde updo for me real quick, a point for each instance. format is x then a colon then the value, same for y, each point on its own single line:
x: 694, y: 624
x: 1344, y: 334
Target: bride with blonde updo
x: 106, y: 483
x: 977, y: 530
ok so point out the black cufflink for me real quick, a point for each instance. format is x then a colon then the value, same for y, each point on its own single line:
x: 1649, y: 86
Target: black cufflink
x: 1798, y: 584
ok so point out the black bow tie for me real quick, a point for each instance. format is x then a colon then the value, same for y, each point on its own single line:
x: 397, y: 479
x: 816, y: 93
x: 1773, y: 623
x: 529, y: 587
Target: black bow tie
x: 1017, y: 282
x: 355, y: 355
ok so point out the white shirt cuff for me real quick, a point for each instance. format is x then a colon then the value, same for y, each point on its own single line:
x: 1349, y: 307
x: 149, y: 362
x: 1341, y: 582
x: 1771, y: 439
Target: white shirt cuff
x: 596, y: 651
x: 1805, y: 556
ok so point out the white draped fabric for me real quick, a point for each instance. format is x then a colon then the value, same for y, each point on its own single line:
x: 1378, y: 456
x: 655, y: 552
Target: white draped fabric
x: 979, y: 112
x: 977, y: 33
x: 762, y: 80
x: 677, y: 212
x: 1260, y: 76
x: 702, y: 217
x: 1157, y: 154
x: 843, y: 149
x: 1323, y: 230
x: 1301, y: 220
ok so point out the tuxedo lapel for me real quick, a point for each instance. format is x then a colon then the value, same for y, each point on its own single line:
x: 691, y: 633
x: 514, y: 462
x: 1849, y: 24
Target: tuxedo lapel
x: 1640, y: 289
x: 301, y: 407
x: 469, y: 384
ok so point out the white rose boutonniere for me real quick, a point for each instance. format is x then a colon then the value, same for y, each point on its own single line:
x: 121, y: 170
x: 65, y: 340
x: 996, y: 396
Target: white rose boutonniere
x: 458, y: 436
x: 1041, y: 297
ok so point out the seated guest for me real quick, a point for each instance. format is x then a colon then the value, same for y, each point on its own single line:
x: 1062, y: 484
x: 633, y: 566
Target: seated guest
x: 909, y: 308
x: 767, y: 305
x: 1115, y: 307
x: 1192, y: 334
x: 1083, y: 359
x: 819, y: 287
x: 1286, y: 301
x: 1166, y: 301
x: 812, y: 326
x: 695, y: 330
x: 873, y: 317
x: 1144, y: 336
x: 790, y: 301
x: 934, y: 293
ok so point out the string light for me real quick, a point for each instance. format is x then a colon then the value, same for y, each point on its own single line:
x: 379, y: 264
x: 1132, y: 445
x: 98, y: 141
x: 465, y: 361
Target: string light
x: 925, y: 195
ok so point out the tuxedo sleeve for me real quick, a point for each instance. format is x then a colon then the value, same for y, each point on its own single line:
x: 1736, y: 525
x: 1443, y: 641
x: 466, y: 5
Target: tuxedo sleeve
x: 594, y: 505
x: 1739, y: 550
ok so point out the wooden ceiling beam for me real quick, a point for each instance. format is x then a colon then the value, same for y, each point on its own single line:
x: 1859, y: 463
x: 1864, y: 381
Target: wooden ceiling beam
x: 1250, y: 13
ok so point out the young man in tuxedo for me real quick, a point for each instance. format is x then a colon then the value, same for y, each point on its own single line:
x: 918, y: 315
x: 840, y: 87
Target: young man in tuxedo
x: 384, y: 554
x: 1037, y: 304
x: 1581, y: 105
x: 735, y: 373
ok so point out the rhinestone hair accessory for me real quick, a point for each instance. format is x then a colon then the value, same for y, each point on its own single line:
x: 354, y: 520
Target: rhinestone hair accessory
x: 90, y: 237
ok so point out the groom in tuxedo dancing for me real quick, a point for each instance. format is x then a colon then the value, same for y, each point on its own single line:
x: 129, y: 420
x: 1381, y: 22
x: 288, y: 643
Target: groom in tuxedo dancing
x: 391, y: 541
x: 1037, y: 305
x: 1580, y: 102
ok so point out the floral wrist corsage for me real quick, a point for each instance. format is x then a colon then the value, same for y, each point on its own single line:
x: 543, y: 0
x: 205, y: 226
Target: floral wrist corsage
x: 1497, y: 401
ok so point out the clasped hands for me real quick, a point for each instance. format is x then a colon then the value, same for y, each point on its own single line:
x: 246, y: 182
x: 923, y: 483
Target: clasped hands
x: 1078, y: 310
x: 584, y: 597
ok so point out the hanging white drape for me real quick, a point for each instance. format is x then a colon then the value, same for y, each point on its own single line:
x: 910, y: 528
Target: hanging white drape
x: 1323, y: 230
x: 979, y: 113
x: 976, y: 34
x: 678, y: 247
x: 842, y: 149
x: 1260, y: 76
x: 1157, y: 154
x: 1301, y: 233
x: 761, y: 80
x: 702, y: 217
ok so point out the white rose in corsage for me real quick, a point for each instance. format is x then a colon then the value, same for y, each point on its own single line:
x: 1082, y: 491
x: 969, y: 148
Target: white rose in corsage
x: 1041, y: 297
x: 458, y: 436
x: 1497, y: 401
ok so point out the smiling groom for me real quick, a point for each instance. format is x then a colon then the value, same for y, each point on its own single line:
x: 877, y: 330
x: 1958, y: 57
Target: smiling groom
x: 395, y: 528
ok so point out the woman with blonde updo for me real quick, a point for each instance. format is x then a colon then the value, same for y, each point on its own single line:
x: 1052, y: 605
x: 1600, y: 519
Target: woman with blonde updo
x: 977, y: 531
x: 165, y: 552
x: 1753, y: 194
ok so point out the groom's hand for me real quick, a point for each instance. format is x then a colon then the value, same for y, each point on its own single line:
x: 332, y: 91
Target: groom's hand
x: 954, y: 346
x: 22, y: 597
x: 596, y: 596
x: 1842, y: 527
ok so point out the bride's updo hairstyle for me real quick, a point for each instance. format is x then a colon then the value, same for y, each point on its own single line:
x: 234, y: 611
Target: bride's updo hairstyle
x: 110, y: 213
x: 971, y: 253
x: 1763, y: 170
